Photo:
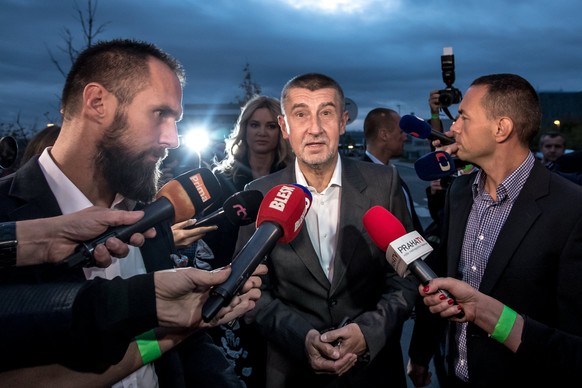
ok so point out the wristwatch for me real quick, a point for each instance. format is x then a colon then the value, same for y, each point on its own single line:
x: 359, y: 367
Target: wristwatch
x: 8, y: 244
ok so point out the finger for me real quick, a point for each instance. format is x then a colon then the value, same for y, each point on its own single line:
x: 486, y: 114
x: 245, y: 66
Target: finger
x: 102, y: 256
x: 183, y: 224
x: 116, y: 247
x: 137, y: 239
x: 208, y: 278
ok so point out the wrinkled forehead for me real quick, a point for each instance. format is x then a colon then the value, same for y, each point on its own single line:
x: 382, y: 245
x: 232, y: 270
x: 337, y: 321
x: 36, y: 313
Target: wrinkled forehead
x: 303, y: 97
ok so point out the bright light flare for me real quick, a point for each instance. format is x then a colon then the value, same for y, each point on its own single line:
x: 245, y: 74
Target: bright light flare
x: 196, y: 139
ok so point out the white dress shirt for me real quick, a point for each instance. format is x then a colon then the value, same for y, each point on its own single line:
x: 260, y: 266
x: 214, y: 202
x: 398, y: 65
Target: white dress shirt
x: 322, y: 219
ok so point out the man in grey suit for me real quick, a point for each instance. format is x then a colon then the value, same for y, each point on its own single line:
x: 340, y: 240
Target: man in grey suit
x: 332, y: 270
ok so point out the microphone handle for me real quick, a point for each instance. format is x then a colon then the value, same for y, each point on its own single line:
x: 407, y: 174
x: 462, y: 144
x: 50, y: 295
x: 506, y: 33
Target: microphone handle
x: 243, y: 265
x: 209, y: 219
x: 445, y: 140
x: 155, y: 212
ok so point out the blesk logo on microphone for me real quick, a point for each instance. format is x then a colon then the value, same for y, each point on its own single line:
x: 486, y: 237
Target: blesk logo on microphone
x: 281, y: 198
x: 198, y: 182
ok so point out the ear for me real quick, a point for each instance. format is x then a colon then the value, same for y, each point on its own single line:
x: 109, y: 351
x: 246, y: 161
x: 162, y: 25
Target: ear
x: 95, y: 100
x: 344, y: 122
x: 504, y: 129
x: 283, y: 125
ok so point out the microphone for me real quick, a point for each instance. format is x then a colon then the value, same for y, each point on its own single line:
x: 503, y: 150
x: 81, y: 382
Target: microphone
x: 404, y: 251
x: 438, y: 164
x: 417, y: 127
x: 239, y: 209
x: 279, y: 219
x: 178, y: 200
x: 435, y: 165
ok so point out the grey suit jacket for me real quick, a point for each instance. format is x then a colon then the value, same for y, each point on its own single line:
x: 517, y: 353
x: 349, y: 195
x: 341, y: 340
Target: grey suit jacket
x: 535, y: 268
x: 299, y: 296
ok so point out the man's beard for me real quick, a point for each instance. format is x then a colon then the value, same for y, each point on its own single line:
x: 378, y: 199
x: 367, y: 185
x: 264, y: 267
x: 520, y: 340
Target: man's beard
x: 127, y: 173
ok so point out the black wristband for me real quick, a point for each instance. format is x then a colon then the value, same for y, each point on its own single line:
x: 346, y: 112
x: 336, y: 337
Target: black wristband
x: 8, y: 244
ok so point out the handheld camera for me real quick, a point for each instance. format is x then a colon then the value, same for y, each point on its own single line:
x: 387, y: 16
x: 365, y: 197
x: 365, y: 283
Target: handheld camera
x: 450, y: 95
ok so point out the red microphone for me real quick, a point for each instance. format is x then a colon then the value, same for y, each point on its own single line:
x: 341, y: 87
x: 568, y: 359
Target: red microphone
x: 404, y: 251
x: 279, y: 219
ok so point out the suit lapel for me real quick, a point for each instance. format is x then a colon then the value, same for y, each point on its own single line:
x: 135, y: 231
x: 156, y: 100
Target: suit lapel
x: 352, y: 205
x: 460, y: 201
x: 30, y: 186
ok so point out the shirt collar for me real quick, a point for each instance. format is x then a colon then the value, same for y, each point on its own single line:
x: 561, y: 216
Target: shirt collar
x: 336, y: 178
x: 511, y: 185
x: 373, y: 158
x: 69, y: 197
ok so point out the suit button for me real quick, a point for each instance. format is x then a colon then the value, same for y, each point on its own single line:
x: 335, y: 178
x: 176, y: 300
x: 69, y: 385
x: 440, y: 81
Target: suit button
x: 331, y: 302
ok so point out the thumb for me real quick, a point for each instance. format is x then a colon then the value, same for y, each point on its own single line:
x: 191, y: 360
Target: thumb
x: 202, y: 277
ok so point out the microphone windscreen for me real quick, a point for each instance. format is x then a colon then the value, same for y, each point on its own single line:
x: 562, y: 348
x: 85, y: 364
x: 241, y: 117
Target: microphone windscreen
x: 241, y: 208
x: 191, y: 192
x: 435, y: 165
x: 382, y: 226
x: 286, y: 206
x: 415, y: 126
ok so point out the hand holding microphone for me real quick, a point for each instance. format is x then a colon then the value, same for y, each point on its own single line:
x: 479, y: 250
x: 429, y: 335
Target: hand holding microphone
x: 279, y: 219
x: 417, y: 127
x: 239, y: 209
x: 404, y: 251
x: 178, y: 200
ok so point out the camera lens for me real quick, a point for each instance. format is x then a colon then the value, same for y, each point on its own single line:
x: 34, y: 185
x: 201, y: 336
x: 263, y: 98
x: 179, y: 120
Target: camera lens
x: 445, y: 98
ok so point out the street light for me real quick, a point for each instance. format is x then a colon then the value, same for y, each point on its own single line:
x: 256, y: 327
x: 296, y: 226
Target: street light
x: 557, y: 123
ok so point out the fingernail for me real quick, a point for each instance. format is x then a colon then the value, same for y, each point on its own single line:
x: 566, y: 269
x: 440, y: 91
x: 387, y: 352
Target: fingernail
x: 450, y: 301
x: 426, y: 288
x: 442, y: 297
x: 460, y: 308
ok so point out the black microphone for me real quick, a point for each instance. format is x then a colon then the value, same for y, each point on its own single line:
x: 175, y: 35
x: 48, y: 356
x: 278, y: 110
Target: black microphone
x: 178, y: 200
x: 417, y: 127
x: 280, y: 218
x: 239, y: 209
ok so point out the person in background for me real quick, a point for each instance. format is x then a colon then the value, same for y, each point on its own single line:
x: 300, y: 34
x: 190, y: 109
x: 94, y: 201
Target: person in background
x: 552, y: 146
x: 332, y: 270
x: 495, y: 237
x: 120, y: 104
x: 384, y: 141
x: 535, y: 344
x: 44, y: 138
x: 254, y: 148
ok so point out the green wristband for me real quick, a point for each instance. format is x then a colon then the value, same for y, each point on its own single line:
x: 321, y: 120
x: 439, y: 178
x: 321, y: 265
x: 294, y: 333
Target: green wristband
x: 148, y: 346
x: 434, y: 116
x: 504, y: 325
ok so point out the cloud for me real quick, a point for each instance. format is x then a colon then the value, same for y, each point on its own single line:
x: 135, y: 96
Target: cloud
x: 384, y: 53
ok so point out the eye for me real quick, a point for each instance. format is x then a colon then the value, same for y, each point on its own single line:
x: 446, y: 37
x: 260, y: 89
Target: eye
x: 273, y: 126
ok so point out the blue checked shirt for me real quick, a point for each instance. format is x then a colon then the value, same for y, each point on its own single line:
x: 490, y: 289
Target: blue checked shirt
x: 485, y: 221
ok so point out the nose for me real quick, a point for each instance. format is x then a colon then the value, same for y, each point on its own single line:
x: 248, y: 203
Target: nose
x: 314, y: 126
x: 169, y: 135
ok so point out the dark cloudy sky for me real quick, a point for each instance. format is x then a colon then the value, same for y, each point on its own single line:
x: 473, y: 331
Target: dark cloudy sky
x: 383, y: 52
